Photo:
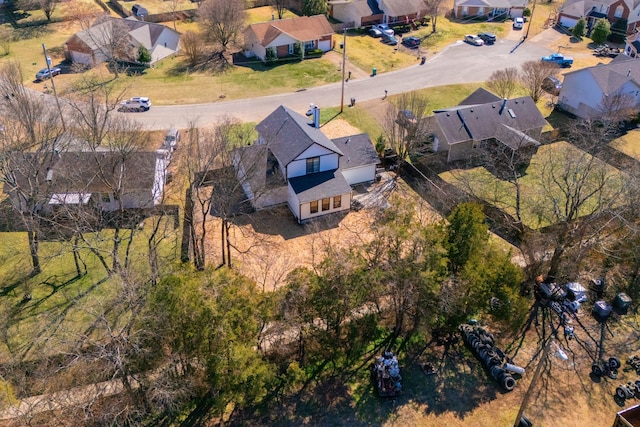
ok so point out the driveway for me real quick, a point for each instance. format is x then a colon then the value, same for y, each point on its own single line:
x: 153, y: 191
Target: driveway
x: 459, y: 63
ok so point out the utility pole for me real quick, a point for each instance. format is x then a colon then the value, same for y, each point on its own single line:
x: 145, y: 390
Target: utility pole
x: 533, y: 9
x: 53, y: 86
x: 344, y: 63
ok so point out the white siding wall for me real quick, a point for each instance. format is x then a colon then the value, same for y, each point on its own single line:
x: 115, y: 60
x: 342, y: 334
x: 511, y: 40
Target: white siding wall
x: 360, y: 174
x: 328, y: 161
x: 282, y: 39
x: 574, y: 92
x: 81, y: 58
x: 293, y: 202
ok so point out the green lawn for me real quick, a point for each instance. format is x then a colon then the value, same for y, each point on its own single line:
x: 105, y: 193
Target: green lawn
x: 63, y: 307
x: 629, y: 144
x: 536, y: 186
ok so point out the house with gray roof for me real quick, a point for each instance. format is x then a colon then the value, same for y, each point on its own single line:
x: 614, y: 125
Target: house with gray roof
x: 294, y: 162
x: 114, y: 38
x: 489, y: 8
x: 103, y: 180
x: 361, y: 13
x: 282, y: 35
x: 466, y: 130
x: 593, y: 91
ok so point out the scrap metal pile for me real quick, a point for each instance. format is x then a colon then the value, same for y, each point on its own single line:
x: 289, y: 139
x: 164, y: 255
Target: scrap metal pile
x: 482, y: 344
x: 386, y: 374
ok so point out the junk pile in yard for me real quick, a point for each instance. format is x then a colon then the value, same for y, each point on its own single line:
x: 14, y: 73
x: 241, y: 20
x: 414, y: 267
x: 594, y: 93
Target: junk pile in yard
x: 499, y: 367
x: 386, y: 375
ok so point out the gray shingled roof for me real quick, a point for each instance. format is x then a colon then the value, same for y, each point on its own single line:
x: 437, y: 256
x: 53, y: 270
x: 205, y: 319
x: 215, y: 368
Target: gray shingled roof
x: 481, y: 122
x: 611, y: 77
x: 402, y: 7
x: 316, y: 186
x: 85, y: 171
x: 358, y: 150
x: 288, y: 134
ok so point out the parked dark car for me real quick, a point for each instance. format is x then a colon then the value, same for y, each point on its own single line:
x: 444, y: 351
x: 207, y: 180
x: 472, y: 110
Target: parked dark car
x: 488, y: 38
x: 139, y: 11
x: 375, y: 33
x: 552, y: 85
x: 411, y: 42
x: 386, y: 38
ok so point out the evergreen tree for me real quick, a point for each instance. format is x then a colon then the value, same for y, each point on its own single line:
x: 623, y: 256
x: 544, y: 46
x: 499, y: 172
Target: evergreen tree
x: 314, y: 7
x: 144, y: 55
x: 601, y: 31
x: 578, y: 30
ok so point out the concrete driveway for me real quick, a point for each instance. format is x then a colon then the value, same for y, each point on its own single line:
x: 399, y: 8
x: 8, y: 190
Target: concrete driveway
x: 459, y: 63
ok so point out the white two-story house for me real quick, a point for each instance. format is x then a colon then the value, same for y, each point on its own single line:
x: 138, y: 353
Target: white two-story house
x: 293, y: 162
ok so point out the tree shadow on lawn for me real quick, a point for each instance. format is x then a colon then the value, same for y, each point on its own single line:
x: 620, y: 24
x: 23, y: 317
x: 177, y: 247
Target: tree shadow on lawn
x: 213, y: 64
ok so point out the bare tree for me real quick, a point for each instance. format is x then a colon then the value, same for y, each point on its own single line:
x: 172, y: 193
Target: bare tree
x: 279, y: 6
x: 405, y: 125
x: 48, y: 7
x: 580, y: 196
x: 433, y: 9
x: 32, y: 134
x: 222, y: 21
x: 504, y: 82
x: 192, y: 47
x: 616, y: 107
x: 111, y: 38
x: 532, y: 76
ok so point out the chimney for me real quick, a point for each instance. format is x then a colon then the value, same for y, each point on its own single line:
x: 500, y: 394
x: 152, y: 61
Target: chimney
x: 504, y: 103
x: 314, y: 111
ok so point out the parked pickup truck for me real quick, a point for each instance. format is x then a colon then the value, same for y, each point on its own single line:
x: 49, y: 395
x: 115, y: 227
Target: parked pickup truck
x: 560, y: 59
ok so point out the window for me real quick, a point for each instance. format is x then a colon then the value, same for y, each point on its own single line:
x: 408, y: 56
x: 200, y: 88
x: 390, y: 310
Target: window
x: 465, y: 10
x: 106, y: 198
x: 313, y: 165
x: 291, y: 49
x: 313, y: 207
x: 337, y: 202
x: 325, y: 204
x: 618, y: 12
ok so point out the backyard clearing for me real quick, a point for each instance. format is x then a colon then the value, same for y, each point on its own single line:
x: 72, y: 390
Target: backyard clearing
x: 537, y: 183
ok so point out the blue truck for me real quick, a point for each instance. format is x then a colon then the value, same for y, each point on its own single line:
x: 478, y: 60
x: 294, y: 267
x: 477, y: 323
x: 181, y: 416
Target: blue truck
x: 558, y: 58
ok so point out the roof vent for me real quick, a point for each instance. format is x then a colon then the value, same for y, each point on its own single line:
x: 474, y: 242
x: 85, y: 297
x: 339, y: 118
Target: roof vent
x: 511, y: 113
x: 504, y: 103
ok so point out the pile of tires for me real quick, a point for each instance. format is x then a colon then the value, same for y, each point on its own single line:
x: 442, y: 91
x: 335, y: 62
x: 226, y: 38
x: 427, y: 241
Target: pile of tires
x: 482, y: 344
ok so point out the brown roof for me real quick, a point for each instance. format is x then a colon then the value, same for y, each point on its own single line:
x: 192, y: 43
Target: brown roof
x: 304, y: 28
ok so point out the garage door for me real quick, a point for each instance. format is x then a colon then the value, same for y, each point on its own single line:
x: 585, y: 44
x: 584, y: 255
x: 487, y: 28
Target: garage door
x: 325, y: 45
x: 568, y: 22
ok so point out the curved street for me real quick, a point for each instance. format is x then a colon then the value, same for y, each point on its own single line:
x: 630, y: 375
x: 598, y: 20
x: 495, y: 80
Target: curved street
x: 458, y: 63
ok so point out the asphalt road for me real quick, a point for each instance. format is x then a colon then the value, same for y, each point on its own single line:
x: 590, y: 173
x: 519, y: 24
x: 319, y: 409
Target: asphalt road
x: 459, y: 63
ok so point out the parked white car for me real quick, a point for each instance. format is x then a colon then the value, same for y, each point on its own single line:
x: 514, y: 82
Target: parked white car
x: 518, y: 23
x: 137, y: 103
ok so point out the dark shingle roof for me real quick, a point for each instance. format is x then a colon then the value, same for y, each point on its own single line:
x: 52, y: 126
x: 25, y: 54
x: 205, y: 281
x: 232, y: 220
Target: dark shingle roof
x: 320, y: 185
x: 480, y: 122
x: 358, y: 151
x: 288, y: 134
x: 480, y: 96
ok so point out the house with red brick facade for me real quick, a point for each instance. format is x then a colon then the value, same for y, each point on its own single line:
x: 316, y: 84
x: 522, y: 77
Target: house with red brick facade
x: 281, y: 36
